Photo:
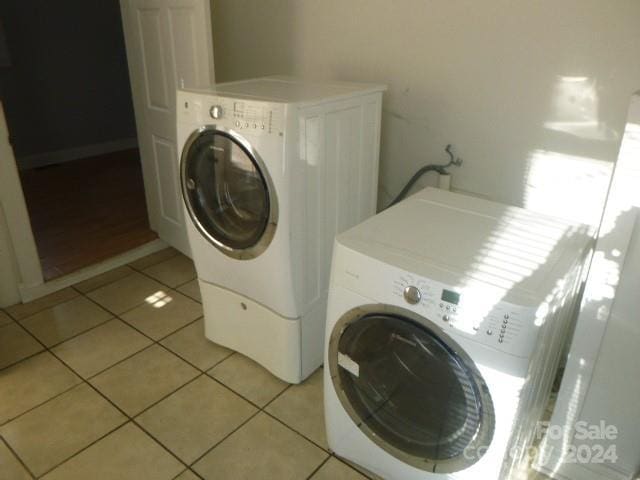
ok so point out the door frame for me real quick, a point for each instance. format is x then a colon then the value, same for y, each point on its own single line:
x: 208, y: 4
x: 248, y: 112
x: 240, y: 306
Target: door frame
x: 23, y: 252
x: 13, y: 203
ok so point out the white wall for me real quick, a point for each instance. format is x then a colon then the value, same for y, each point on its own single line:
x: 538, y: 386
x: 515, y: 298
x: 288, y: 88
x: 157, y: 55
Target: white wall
x: 519, y: 87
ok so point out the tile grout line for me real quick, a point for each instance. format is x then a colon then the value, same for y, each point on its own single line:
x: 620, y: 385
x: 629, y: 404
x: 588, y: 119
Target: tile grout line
x: 71, y: 337
x: 205, y: 372
x: 21, y: 360
x: 137, y: 304
x: 83, y: 381
x: 126, y: 265
x: 251, y: 402
x: 258, y: 411
x: 210, y: 449
x: 150, y: 406
x: 187, y: 470
x: 12, y: 317
x: 132, y: 419
x: 119, y: 316
x: 126, y: 415
x: 17, y: 457
x: 138, y: 269
x: 86, y: 381
x: 109, y: 282
x: 90, y: 444
x: 351, y: 466
x: 45, y: 401
x: 318, y: 467
x: 278, y: 395
x: 196, y: 474
x: 297, y: 432
x: 122, y: 360
x: 24, y: 327
x: 79, y: 292
x: 162, y: 339
x: 142, y: 272
x: 153, y: 342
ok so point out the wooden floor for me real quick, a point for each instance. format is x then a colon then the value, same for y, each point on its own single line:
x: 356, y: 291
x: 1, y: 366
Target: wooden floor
x: 85, y: 211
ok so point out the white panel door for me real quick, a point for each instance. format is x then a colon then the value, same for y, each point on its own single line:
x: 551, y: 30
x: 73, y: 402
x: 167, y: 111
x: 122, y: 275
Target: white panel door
x: 169, y: 45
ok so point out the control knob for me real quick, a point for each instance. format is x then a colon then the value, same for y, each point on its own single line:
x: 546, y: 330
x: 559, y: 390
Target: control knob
x: 216, y: 111
x: 412, y: 295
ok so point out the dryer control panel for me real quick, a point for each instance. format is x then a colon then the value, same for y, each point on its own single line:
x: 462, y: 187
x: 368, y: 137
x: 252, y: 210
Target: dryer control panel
x: 247, y: 116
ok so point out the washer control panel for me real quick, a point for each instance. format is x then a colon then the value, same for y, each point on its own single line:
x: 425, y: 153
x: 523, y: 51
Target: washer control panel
x: 248, y: 116
x: 497, y: 323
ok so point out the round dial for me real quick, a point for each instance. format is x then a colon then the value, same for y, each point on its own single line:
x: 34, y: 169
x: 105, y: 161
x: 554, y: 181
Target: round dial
x: 412, y: 294
x: 216, y: 111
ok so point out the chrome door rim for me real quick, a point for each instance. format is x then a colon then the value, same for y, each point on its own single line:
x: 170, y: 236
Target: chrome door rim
x: 482, y: 438
x: 272, y: 222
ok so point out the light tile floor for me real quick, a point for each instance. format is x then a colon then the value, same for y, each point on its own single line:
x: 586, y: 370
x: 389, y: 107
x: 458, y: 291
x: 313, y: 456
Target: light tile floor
x: 114, y: 379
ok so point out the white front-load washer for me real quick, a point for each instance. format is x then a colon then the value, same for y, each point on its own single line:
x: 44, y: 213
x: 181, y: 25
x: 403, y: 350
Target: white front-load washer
x: 445, y: 321
x: 271, y: 169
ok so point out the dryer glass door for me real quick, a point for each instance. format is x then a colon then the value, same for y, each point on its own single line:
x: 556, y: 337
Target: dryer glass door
x: 228, y: 192
x: 411, y: 389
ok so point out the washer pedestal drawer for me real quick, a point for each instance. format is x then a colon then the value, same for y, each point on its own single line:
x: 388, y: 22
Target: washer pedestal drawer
x: 238, y: 323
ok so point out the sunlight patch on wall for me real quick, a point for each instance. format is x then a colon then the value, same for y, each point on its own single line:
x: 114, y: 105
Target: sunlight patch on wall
x: 575, y: 109
x: 560, y: 183
x: 567, y: 186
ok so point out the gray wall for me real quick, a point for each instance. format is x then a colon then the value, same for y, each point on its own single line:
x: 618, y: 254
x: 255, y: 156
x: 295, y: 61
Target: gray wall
x: 533, y: 94
x: 68, y: 85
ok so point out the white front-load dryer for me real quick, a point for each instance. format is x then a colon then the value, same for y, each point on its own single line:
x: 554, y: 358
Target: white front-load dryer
x: 271, y: 169
x: 445, y: 321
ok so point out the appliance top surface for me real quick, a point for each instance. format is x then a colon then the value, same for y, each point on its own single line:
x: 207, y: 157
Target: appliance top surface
x: 289, y: 90
x: 472, y: 238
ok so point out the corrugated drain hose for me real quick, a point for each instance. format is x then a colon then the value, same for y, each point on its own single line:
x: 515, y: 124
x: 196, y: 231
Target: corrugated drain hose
x: 441, y: 169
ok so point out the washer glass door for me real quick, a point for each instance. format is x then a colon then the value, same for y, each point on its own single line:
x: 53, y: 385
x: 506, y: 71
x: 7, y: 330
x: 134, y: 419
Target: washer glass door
x: 228, y: 192
x: 410, y: 388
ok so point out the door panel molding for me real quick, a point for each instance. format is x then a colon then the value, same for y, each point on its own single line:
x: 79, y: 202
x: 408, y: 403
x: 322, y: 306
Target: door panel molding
x: 174, y: 49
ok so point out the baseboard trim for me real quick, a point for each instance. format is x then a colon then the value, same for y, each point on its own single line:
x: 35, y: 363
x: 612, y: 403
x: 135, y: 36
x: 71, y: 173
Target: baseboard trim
x: 69, y: 154
x: 32, y: 292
